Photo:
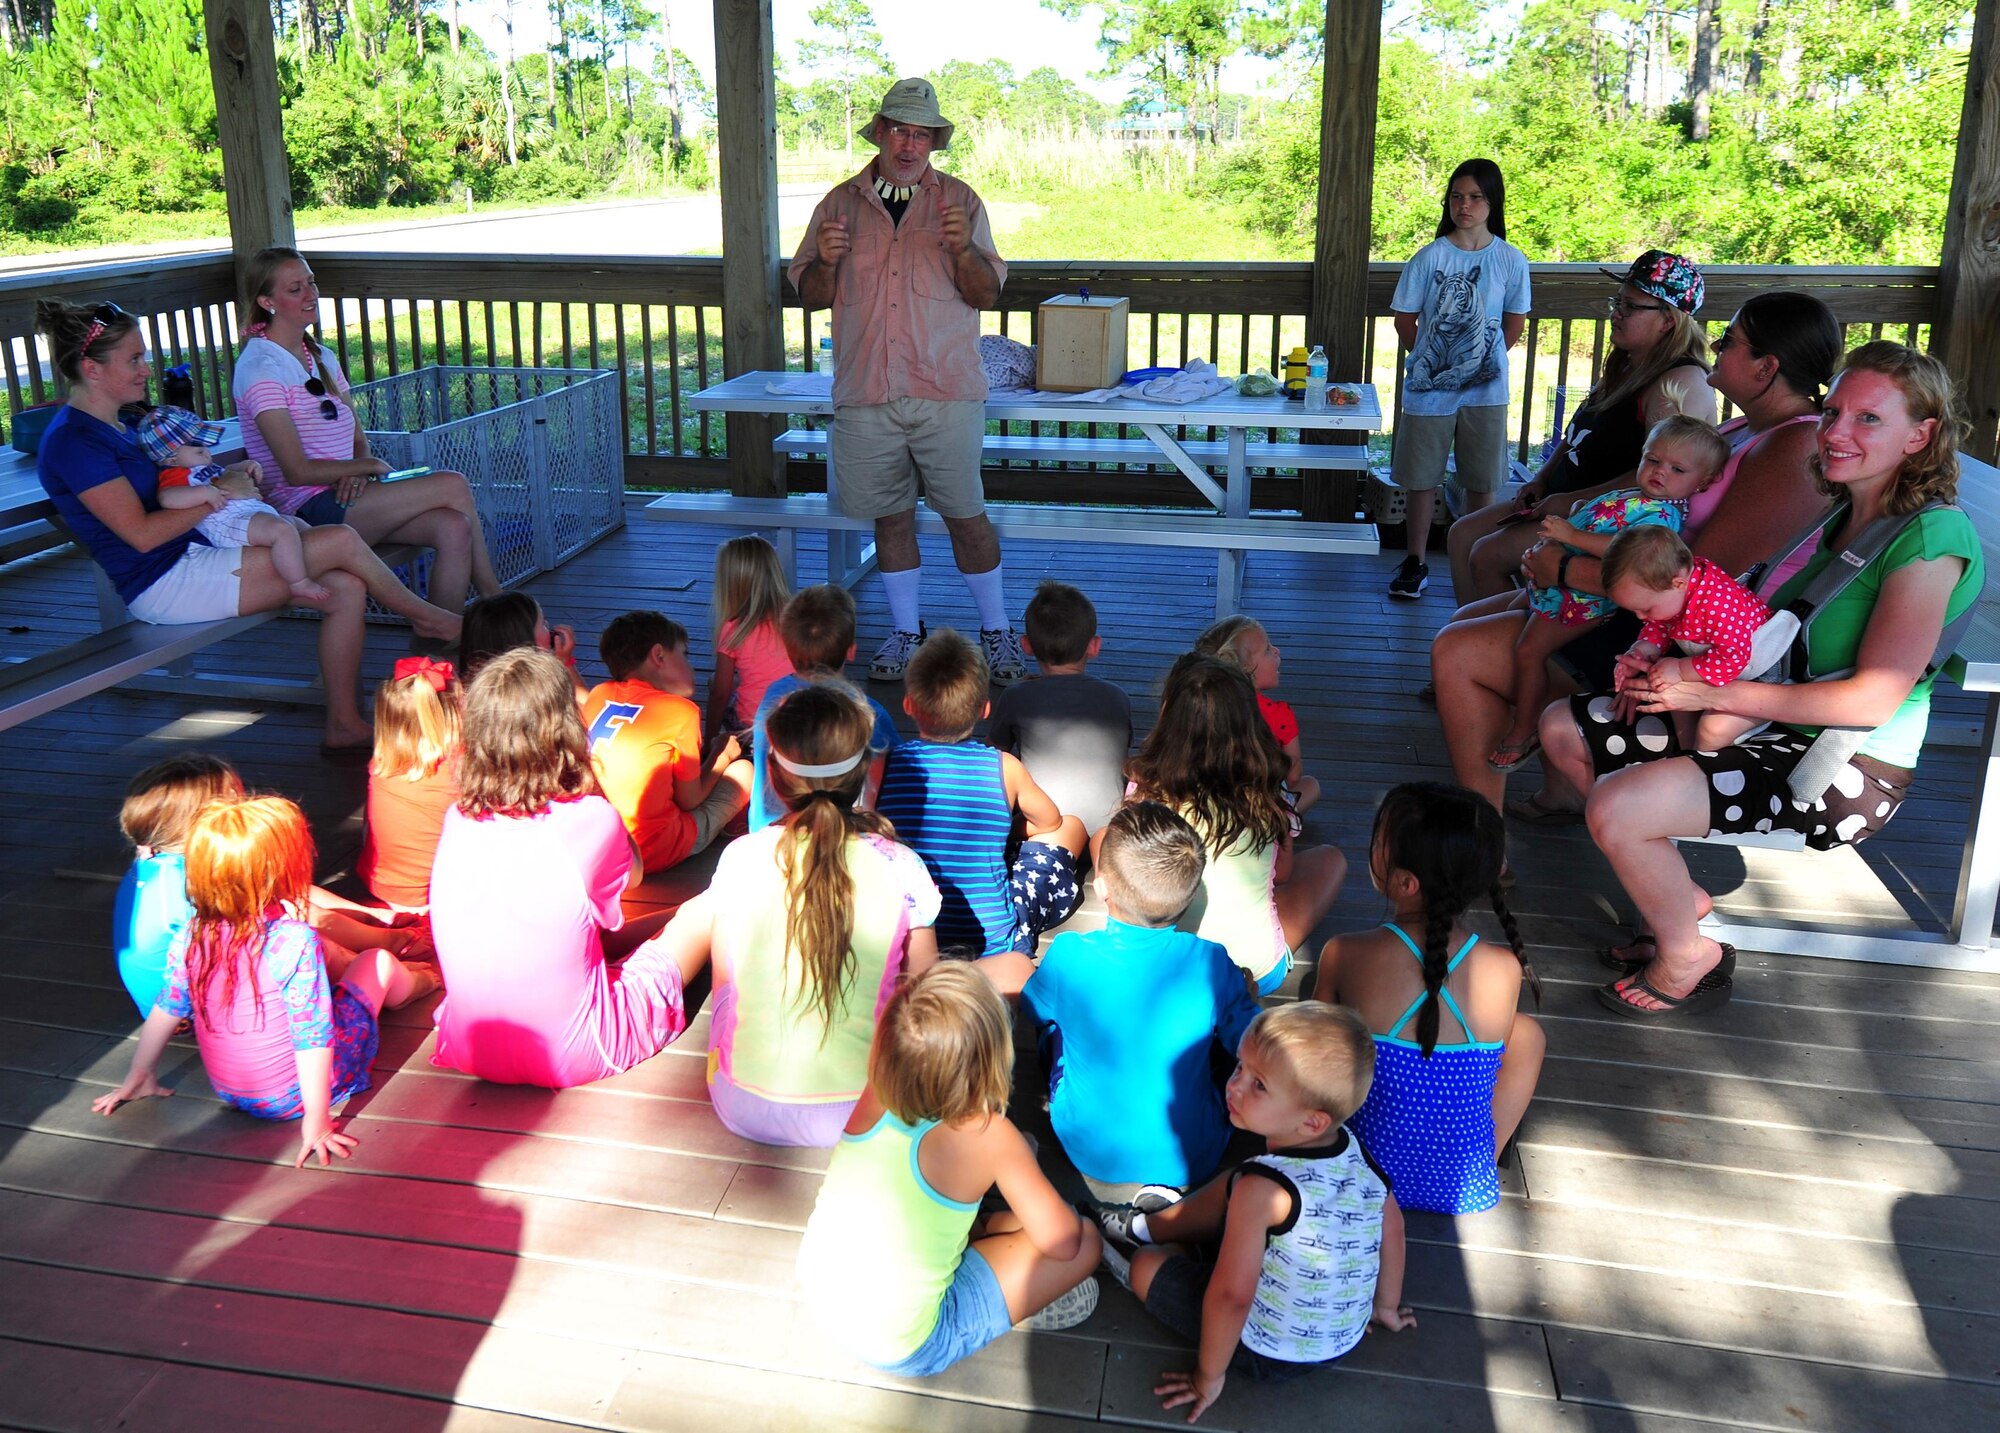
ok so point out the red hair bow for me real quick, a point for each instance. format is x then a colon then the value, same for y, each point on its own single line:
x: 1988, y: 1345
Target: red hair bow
x: 435, y: 672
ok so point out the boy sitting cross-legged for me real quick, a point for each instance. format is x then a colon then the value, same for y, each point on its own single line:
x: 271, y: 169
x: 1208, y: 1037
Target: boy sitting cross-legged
x: 817, y: 628
x: 952, y: 800
x: 1281, y: 1263
x: 645, y: 741
x: 1129, y: 1014
x: 1071, y: 730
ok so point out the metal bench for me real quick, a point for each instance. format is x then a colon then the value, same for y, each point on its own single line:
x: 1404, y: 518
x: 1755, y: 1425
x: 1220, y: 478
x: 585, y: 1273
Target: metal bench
x: 125, y: 651
x: 1143, y: 527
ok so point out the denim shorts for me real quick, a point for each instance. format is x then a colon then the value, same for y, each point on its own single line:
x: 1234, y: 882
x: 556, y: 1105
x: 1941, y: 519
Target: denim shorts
x: 323, y: 509
x: 973, y: 1314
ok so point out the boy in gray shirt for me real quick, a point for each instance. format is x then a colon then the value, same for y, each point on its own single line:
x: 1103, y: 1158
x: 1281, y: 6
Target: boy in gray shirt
x: 1071, y: 730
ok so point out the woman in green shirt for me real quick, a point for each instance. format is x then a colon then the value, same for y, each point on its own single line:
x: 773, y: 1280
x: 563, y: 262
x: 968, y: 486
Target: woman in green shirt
x: 1887, y: 446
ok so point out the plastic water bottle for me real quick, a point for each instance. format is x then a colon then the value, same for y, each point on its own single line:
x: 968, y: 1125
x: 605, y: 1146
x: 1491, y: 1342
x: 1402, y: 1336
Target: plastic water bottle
x: 826, y: 355
x: 1316, y: 379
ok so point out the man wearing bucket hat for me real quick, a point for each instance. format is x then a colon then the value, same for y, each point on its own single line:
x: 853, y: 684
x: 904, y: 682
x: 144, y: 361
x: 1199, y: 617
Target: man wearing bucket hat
x: 903, y: 258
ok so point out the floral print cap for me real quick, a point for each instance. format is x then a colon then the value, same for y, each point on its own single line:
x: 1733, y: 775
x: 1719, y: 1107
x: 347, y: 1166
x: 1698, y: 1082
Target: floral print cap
x: 1665, y: 276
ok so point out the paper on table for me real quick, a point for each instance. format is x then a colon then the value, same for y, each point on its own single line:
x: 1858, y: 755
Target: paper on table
x: 804, y: 385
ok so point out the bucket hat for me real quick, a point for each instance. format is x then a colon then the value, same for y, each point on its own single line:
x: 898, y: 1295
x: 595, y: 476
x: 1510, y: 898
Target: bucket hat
x: 1664, y: 276
x: 164, y: 429
x: 911, y: 101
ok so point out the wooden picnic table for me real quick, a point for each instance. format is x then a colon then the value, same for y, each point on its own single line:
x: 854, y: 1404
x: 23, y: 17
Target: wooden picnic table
x: 1229, y: 526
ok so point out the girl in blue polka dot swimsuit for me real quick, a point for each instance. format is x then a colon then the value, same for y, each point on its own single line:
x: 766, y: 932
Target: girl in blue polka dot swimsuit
x: 1455, y: 1062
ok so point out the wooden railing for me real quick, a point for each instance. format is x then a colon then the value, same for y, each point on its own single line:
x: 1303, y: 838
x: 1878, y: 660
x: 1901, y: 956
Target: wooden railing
x: 658, y: 322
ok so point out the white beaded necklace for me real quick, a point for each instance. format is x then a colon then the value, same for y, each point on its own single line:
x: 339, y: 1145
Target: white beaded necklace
x: 894, y: 193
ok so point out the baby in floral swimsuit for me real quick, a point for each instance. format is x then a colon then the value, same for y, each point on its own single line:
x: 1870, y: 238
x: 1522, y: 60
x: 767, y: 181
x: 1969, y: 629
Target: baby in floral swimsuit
x: 1682, y: 456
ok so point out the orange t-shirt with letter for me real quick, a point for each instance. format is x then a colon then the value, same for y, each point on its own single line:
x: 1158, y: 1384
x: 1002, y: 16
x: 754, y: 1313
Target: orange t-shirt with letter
x: 641, y: 741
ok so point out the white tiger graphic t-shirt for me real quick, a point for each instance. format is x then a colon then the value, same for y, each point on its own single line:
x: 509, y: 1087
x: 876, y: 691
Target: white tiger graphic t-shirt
x: 1460, y: 360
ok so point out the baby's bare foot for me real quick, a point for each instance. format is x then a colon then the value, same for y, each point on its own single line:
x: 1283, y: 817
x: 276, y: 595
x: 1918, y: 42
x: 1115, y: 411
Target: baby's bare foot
x: 309, y: 591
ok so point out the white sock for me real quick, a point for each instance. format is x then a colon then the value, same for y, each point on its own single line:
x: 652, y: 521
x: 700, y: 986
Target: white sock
x: 901, y: 588
x: 988, y: 596
x: 1140, y: 1233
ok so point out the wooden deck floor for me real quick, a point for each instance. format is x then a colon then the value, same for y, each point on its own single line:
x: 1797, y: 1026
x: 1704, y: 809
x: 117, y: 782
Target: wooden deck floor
x: 1785, y: 1216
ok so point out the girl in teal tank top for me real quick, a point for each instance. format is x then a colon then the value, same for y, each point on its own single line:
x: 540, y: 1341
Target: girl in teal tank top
x: 1455, y: 1063
x: 896, y: 1265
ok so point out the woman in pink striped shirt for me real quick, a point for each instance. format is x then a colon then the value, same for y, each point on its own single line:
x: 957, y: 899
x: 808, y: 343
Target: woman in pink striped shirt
x: 299, y: 425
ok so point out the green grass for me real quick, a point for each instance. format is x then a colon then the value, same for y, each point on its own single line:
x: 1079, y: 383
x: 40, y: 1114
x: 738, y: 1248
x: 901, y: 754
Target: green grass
x: 1129, y: 224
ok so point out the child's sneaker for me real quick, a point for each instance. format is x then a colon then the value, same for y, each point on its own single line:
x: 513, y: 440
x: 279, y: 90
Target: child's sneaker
x: 893, y: 656
x: 1004, y: 662
x: 1066, y: 1312
x: 1411, y: 579
x: 1114, y: 1222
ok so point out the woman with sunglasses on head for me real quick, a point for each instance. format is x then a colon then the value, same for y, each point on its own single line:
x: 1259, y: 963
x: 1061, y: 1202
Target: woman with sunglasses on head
x: 1657, y: 367
x: 299, y: 424
x: 107, y: 491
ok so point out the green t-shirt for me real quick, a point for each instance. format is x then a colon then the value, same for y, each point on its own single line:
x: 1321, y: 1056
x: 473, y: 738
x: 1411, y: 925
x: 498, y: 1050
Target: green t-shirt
x: 1836, y: 634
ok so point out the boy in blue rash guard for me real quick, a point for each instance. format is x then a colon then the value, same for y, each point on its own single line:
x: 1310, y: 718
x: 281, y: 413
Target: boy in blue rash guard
x: 1129, y: 1015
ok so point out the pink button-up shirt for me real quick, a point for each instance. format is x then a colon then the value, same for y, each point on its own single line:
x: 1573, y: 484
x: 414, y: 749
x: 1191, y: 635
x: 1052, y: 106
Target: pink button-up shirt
x: 900, y: 328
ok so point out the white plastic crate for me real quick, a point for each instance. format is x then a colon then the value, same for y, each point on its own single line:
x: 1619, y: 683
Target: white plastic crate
x: 542, y: 448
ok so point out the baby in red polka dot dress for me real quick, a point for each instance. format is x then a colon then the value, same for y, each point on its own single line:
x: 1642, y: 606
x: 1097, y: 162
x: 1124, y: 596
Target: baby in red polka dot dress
x: 1689, y: 602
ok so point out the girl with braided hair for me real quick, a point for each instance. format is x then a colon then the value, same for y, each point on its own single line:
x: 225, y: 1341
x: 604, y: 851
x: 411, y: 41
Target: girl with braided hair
x: 1455, y: 1061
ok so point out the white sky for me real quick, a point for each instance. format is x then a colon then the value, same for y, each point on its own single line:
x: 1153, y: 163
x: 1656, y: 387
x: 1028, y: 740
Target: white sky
x: 1018, y: 31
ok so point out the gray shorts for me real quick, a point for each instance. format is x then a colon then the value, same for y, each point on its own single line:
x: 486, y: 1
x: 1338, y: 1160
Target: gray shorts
x: 1175, y: 1298
x: 1478, y: 435
x: 880, y: 451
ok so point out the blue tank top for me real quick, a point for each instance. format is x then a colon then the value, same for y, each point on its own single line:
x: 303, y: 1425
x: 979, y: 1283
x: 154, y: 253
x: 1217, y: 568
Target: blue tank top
x: 948, y: 803
x: 1429, y: 1122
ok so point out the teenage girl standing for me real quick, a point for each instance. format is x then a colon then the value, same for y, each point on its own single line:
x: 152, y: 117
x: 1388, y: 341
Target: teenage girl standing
x: 1460, y: 305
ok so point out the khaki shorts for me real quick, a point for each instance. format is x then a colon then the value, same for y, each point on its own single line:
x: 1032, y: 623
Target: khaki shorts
x: 1478, y: 434
x: 880, y: 451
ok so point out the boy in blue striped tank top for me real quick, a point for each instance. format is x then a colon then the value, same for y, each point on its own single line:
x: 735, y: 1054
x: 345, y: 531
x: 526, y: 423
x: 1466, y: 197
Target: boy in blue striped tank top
x: 952, y: 800
x: 1297, y: 1250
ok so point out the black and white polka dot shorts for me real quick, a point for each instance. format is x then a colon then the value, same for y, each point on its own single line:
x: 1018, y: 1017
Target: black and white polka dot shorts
x: 1747, y: 783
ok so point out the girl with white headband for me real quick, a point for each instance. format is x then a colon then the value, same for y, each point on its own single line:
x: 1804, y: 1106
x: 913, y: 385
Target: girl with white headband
x: 808, y: 923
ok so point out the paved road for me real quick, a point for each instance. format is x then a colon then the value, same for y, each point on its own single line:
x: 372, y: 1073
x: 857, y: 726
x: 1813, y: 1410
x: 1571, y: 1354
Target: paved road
x: 644, y: 227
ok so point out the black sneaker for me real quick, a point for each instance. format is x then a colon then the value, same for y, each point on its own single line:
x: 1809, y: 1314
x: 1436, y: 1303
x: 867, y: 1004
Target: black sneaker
x: 1411, y: 579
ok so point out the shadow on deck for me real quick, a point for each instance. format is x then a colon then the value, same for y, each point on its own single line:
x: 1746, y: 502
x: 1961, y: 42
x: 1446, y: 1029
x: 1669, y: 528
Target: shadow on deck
x: 1782, y: 1216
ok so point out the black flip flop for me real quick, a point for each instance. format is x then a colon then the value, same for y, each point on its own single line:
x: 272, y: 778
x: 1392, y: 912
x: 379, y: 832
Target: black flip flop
x: 1530, y: 810
x: 1711, y: 992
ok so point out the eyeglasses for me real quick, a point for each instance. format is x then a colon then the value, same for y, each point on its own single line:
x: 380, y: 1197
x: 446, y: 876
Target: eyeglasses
x: 101, y: 318
x: 913, y: 131
x: 328, y: 409
x: 1618, y: 306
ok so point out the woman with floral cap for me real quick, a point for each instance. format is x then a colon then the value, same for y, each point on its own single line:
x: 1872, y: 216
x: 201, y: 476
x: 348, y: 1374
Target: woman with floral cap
x: 1658, y: 367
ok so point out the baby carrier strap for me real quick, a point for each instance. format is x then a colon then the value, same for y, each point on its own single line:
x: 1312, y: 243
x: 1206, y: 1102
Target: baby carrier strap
x: 1848, y: 564
x: 1834, y: 746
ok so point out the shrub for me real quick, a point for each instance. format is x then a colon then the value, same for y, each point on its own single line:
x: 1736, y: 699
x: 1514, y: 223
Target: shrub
x: 539, y: 177
x: 38, y: 215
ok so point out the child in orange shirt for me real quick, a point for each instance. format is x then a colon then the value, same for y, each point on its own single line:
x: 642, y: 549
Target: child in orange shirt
x: 412, y: 780
x: 645, y: 741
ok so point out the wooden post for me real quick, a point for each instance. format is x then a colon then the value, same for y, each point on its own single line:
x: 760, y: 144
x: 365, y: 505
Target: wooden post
x: 1339, y: 315
x: 1966, y: 332
x: 753, y: 316
x: 243, y: 64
